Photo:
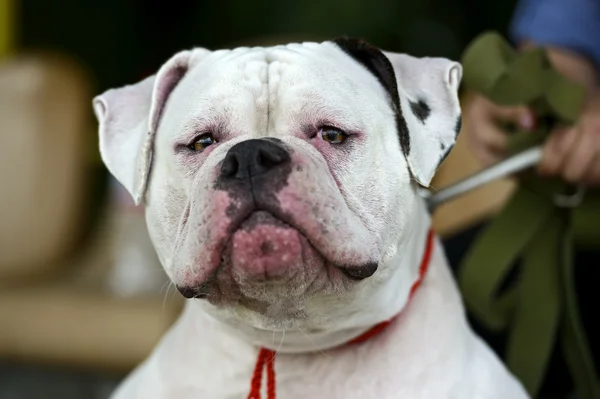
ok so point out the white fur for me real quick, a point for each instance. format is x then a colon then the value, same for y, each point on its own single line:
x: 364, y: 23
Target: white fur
x: 365, y: 190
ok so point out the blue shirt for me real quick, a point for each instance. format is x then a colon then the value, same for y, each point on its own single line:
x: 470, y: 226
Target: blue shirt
x: 571, y: 24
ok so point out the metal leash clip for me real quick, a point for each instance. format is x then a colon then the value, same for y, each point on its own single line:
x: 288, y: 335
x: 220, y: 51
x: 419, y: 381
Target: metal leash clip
x: 506, y: 167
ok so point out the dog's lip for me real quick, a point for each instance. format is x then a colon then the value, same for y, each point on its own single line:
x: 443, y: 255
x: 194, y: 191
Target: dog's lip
x: 203, y: 289
x: 355, y: 273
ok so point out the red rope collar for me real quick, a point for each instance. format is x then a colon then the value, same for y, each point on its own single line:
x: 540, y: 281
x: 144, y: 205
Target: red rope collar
x: 266, y: 357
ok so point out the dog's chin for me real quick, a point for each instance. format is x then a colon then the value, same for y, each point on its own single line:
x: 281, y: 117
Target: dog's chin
x: 266, y: 260
x: 270, y: 267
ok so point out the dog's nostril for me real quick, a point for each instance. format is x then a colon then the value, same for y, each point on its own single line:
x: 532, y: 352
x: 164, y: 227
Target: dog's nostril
x: 269, y: 159
x: 230, y: 167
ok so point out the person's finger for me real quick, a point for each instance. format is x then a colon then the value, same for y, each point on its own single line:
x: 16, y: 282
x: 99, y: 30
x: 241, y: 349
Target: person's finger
x: 482, y: 109
x: 579, y: 158
x: 486, y: 156
x: 556, y: 149
x: 488, y: 140
x: 592, y: 177
x: 484, y: 137
x: 489, y: 143
x: 522, y: 117
x: 494, y: 138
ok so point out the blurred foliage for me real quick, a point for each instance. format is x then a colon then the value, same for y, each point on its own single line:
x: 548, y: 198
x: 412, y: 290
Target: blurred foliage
x: 121, y: 41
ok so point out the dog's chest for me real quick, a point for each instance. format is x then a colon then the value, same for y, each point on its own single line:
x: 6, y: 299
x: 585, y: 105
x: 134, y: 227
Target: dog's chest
x: 321, y: 376
x: 361, y: 371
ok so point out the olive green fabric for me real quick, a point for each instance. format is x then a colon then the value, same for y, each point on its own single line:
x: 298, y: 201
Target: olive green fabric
x: 539, y: 309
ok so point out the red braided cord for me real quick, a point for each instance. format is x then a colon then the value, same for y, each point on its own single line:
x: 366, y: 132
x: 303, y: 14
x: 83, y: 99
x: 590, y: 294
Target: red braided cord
x: 257, y: 375
x: 424, y: 262
x: 271, y: 375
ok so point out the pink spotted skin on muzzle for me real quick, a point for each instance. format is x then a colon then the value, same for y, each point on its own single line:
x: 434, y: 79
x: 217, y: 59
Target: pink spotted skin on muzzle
x: 266, y: 248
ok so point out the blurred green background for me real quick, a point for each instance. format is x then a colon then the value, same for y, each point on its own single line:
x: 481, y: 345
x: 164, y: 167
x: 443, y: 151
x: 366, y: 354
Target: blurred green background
x: 123, y: 40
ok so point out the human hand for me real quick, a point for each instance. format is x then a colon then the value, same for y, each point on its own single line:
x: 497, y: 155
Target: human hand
x: 483, y: 119
x: 573, y: 153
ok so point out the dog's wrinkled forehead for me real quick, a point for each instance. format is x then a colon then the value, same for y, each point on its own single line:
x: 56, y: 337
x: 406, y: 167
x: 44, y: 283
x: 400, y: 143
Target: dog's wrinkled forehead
x: 346, y: 82
x: 267, y: 88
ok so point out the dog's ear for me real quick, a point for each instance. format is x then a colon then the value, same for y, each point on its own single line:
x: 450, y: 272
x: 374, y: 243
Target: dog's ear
x: 424, y: 92
x: 129, y: 116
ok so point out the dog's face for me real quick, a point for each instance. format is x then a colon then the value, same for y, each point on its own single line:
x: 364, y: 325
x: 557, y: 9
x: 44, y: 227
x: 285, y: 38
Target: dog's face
x: 279, y: 182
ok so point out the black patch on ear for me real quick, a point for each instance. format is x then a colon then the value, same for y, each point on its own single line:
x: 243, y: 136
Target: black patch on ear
x: 380, y: 66
x: 445, y: 154
x: 421, y: 110
x: 458, y: 125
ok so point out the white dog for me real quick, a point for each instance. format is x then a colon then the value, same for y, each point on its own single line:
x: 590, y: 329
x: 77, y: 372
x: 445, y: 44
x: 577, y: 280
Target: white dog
x: 280, y: 187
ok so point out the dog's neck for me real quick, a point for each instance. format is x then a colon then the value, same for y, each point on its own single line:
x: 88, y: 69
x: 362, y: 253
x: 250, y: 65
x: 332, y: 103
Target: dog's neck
x: 391, y: 297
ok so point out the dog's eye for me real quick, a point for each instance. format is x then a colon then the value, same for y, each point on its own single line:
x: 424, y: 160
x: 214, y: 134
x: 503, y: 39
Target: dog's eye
x: 333, y: 135
x: 202, y: 142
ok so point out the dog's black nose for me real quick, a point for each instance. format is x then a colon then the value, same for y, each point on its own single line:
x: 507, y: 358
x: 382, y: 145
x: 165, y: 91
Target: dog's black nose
x: 252, y: 158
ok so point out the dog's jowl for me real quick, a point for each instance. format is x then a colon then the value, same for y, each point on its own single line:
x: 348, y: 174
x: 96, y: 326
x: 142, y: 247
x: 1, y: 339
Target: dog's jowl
x: 280, y: 189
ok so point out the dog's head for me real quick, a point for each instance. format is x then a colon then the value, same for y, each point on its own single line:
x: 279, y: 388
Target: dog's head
x: 280, y: 182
